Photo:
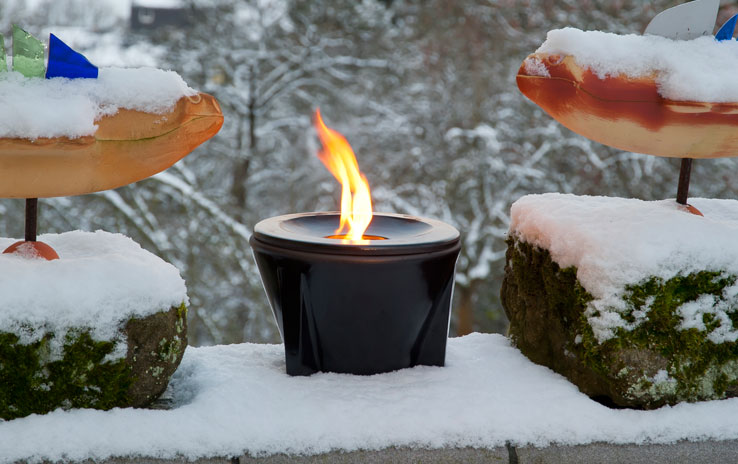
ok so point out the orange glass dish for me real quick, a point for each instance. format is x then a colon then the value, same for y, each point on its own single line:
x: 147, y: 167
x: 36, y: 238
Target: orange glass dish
x: 127, y: 147
x: 628, y: 113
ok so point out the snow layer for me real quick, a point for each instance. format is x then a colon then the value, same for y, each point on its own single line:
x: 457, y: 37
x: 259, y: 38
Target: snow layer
x: 60, y: 107
x: 235, y: 399
x: 702, y: 69
x: 614, y: 242
x: 100, y: 281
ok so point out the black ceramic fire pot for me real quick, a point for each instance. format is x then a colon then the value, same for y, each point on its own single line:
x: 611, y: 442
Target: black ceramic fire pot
x: 358, y: 308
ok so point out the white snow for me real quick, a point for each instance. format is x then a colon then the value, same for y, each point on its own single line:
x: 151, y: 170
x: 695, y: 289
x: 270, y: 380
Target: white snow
x: 237, y: 398
x: 100, y: 281
x: 119, y: 9
x: 535, y: 67
x: 109, y: 49
x: 59, y: 107
x: 614, y: 242
x: 702, y: 69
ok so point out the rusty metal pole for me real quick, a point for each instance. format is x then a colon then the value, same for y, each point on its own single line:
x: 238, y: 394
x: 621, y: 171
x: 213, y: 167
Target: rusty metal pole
x: 684, y: 173
x: 31, y: 219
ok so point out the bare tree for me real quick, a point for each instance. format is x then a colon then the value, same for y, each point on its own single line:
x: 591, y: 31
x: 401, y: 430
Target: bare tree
x: 424, y: 91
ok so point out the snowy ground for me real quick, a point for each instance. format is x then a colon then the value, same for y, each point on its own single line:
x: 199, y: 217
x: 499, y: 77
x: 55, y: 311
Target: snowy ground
x: 237, y: 398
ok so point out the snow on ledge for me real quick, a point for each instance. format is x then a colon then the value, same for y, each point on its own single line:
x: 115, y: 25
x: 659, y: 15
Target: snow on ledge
x: 618, y: 241
x: 615, y: 242
x: 237, y: 399
x: 702, y: 69
x: 100, y: 281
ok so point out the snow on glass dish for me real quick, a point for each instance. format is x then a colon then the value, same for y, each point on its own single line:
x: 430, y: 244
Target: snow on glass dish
x: 702, y: 69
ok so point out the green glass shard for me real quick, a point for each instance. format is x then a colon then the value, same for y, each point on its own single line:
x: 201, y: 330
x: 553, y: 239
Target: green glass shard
x: 3, y: 63
x: 28, y: 54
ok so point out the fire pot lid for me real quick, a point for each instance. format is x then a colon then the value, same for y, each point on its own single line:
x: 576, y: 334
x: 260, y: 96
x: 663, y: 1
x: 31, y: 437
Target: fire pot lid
x: 400, y: 234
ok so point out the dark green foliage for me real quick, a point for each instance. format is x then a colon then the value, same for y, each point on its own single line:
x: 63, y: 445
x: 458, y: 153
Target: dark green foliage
x: 34, y: 383
x: 702, y: 368
x: 671, y: 294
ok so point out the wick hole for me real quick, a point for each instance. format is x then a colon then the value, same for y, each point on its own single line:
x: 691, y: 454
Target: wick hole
x: 363, y: 237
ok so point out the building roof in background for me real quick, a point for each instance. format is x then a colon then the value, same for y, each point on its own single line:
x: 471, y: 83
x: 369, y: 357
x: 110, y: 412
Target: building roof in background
x: 162, y: 4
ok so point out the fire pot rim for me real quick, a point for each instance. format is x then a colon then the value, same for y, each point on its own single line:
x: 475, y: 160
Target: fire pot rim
x: 403, y: 234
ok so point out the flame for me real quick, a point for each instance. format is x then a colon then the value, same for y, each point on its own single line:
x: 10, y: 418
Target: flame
x: 356, y: 200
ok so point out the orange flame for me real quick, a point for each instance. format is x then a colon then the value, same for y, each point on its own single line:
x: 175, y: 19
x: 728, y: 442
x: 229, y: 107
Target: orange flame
x: 356, y: 201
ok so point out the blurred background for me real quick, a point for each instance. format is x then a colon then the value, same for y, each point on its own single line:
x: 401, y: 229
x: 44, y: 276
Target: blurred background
x: 424, y: 90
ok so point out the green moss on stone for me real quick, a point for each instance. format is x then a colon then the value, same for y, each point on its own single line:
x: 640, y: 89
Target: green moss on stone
x: 169, y: 350
x: 73, y: 370
x: 34, y: 382
x: 181, y: 324
x: 654, y: 363
x: 702, y: 369
x: 156, y: 346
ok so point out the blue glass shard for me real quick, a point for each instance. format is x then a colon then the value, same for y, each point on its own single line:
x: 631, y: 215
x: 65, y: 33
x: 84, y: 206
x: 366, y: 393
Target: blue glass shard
x: 726, y: 30
x: 65, y: 62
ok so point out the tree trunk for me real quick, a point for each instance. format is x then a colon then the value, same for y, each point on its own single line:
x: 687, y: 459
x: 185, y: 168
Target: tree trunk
x: 465, y: 311
x: 241, y: 170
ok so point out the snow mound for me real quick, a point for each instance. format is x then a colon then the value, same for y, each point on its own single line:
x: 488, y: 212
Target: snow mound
x: 615, y: 242
x: 236, y: 399
x: 100, y: 281
x: 60, y: 107
x: 702, y: 69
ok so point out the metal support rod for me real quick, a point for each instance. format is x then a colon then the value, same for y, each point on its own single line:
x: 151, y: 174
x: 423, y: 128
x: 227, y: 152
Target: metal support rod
x: 31, y: 219
x: 684, y: 174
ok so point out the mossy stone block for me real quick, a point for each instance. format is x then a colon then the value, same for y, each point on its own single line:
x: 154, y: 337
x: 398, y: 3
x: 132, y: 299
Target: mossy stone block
x: 74, y: 370
x: 657, y: 362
